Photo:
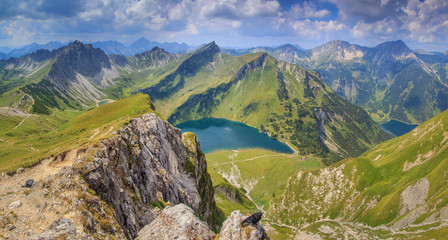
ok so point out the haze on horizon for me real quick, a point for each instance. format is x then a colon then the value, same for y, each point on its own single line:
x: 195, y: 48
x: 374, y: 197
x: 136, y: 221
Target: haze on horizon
x: 231, y: 23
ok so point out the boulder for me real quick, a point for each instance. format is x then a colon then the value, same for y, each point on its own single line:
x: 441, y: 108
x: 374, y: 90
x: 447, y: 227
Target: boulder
x: 233, y: 229
x: 177, y: 222
x: 15, y: 204
x: 29, y: 183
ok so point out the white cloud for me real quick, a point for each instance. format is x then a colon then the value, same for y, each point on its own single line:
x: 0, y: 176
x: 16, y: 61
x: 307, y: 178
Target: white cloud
x: 253, y: 8
x: 426, y: 21
x: 317, y: 29
x: 17, y: 34
x: 308, y: 10
x: 380, y: 28
x: 191, y: 29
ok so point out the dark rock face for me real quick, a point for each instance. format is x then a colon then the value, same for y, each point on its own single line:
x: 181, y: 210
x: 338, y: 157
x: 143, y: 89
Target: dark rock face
x: 148, y: 165
x: 77, y: 58
x: 119, y: 60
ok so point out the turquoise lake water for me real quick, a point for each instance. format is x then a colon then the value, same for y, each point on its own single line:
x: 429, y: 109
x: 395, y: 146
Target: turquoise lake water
x: 397, y: 128
x: 219, y: 134
x: 103, y: 102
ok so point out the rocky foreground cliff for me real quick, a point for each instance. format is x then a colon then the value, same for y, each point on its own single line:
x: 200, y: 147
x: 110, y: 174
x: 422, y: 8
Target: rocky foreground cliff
x: 114, y: 188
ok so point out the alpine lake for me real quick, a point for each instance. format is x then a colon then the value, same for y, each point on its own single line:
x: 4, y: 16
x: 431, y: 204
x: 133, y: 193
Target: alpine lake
x: 222, y: 134
x: 397, y: 128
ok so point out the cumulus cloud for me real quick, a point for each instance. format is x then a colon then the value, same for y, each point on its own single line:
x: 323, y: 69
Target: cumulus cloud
x: 426, y: 21
x: 307, y: 10
x: 317, y: 29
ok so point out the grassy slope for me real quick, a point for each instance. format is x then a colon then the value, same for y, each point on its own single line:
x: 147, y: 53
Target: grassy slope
x: 41, y: 136
x: 13, y: 79
x: 261, y: 172
x: 130, y: 82
x: 372, y: 185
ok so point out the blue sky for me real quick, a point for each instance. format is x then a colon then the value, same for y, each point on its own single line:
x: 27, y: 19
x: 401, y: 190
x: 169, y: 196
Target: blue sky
x: 236, y: 23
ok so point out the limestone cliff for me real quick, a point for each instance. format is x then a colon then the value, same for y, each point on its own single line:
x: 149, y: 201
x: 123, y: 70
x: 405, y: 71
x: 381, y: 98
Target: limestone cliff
x: 111, y: 189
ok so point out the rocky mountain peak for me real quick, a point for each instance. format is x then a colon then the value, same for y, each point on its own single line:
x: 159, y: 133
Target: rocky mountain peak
x: 140, y: 43
x: 338, y: 43
x: 211, y: 47
x: 396, y: 48
x: 154, y: 50
x: 337, y: 50
x: 156, y: 57
x: 289, y: 47
x: 78, y: 58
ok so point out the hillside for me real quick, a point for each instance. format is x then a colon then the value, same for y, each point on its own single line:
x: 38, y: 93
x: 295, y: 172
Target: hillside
x: 397, y: 189
x: 27, y: 139
x: 390, y: 81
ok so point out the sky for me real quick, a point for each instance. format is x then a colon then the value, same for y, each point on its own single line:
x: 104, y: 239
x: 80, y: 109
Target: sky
x: 231, y: 23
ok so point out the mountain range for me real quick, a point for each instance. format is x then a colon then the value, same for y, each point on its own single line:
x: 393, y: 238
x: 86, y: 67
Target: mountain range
x: 296, y: 107
x: 390, y: 80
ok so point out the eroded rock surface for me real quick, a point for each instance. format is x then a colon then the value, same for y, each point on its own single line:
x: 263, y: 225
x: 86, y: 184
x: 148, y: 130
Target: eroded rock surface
x: 62, y: 228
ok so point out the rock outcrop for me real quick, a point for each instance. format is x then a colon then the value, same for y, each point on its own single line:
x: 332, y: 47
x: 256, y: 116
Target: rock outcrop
x: 62, y: 228
x: 147, y: 165
x: 156, y: 57
x: 177, y: 222
x: 112, y: 189
x: 232, y: 229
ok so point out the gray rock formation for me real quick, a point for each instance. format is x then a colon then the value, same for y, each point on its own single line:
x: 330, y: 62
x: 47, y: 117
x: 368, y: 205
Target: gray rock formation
x: 146, y: 165
x: 156, y: 57
x: 62, y: 228
x: 177, y: 222
x: 232, y: 229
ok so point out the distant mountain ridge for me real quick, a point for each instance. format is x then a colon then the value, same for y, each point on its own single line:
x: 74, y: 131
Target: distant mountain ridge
x: 109, y: 47
x: 390, y: 80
